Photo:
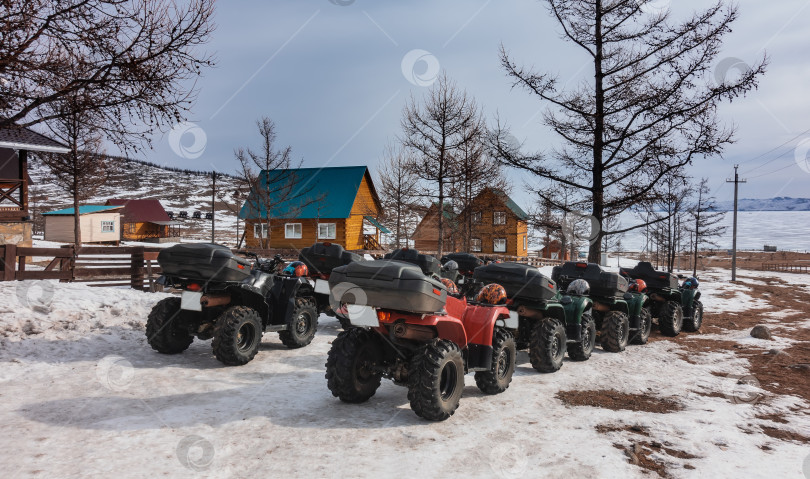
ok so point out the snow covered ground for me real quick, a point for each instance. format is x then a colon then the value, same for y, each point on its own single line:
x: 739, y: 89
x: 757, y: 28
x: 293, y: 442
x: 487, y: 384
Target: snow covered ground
x: 83, y: 395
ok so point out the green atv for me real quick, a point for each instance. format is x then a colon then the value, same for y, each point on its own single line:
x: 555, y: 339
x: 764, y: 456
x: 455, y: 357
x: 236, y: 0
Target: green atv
x: 611, y: 311
x: 638, y: 308
x: 549, y: 323
x: 666, y: 297
x: 691, y: 304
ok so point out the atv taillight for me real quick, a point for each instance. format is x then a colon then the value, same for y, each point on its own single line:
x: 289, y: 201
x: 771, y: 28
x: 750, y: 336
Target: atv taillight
x: 437, y: 292
x: 582, y: 265
x: 193, y: 287
x: 383, y: 316
x: 240, y: 266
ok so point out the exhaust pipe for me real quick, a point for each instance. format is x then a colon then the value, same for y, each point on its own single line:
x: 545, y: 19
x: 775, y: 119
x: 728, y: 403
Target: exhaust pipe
x: 529, y: 313
x: 210, y: 301
x: 415, y: 332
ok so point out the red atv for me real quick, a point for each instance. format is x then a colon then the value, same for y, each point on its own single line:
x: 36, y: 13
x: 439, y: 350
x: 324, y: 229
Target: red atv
x: 409, y: 329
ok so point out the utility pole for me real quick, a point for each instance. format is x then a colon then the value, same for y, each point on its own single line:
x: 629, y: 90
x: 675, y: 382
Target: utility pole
x: 736, y: 182
x: 213, y: 203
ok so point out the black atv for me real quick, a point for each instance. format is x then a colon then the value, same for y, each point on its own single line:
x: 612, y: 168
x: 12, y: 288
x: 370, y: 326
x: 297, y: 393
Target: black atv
x: 665, y: 294
x: 228, y: 299
x: 321, y: 259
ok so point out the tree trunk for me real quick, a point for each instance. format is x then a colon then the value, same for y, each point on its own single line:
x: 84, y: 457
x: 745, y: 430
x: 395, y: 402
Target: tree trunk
x: 77, y: 223
x: 595, y: 250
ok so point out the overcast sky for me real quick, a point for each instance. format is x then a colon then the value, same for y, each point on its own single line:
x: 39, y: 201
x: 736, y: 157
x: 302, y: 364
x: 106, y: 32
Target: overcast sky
x: 335, y: 78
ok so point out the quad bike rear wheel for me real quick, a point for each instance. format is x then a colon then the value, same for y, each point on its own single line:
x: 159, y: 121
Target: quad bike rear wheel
x: 644, y: 327
x: 164, y: 331
x: 615, y: 332
x: 581, y: 351
x: 670, y: 318
x: 547, y: 345
x: 303, y: 324
x: 436, y: 380
x: 693, y: 323
x: 352, y: 373
x: 504, y: 351
x: 237, y: 335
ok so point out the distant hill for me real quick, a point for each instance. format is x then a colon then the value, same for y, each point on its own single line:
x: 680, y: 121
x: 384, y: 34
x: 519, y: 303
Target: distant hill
x: 780, y: 203
x: 177, y: 190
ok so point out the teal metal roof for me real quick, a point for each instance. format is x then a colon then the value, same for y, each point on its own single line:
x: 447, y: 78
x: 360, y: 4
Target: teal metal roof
x: 376, y: 223
x: 517, y: 210
x: 310, y: 193
x: 83, y: 210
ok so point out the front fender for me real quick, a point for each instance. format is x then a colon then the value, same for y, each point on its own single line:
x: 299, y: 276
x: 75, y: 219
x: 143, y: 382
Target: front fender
x: 575, y: 309
x: 479, y: 322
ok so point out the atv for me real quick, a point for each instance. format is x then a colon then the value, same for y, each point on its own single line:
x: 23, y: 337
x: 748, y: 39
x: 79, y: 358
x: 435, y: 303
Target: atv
x: 691, y: 304
x: 408, y: 329
x: 463, y: 264
x: 321, y: 259
x: 610, y: 309
x: 665, y: 295
x: 549, y: 322
x: 638, y: 307
x: 229, y: 300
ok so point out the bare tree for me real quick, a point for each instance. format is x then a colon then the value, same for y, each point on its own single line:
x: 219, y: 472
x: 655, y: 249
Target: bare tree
x: 650, y: 109
x: 476, y: 170
x: 668, y: 212
x: 132, y: 60
x: 705, y: 218
x: 84, y: 169
x: 399, y: 194
x: 270, y: 176
x: 436, y: 132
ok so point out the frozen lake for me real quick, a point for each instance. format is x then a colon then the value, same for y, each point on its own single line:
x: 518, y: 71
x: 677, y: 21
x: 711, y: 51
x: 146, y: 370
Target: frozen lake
x: 788, y: 230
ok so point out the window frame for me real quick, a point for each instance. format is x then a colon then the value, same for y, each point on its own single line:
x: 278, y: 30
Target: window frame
x: 495, y: 243
x: 477, y: 217
x: 496, y: 215
x: 110, y: 223
x: 476, y: 249
x: 264, y: 231
x: 300, y: 231
x: 333, y: 226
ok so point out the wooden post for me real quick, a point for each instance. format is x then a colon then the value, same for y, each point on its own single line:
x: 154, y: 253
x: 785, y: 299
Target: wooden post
x: 9, y: 262
x: 137, y: 269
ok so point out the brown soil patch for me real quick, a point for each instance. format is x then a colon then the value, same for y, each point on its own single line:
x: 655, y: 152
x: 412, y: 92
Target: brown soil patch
x: 784, y: 435
x: 772, y: 417
x: 615, y: 400
x: 639, y: 451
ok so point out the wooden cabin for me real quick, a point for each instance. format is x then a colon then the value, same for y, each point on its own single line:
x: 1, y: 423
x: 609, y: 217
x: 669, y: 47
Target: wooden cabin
x: 15, y: 144
x: 553, y: 250
x: 99, y: 224
x: 494, y: 225
x: 297, y: 207
x: 145, y: 220
x: 426, y: 235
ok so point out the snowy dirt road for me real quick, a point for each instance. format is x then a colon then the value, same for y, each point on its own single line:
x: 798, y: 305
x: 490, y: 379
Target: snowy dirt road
x: 82, y: 394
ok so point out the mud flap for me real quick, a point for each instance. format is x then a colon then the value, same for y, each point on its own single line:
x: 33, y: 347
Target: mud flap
x: 479, y: 357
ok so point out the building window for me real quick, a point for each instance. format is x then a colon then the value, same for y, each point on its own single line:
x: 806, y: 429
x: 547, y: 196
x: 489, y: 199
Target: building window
x: 327, y: 231
x: 499, y: 218
x: 526, y: 243
x: 476, y: 216
x: 132, y: 228
x: 293, y: 231
x: 108, y: 226
x: 475, y: 245
x: 260, y: 230
x: 499, y: 245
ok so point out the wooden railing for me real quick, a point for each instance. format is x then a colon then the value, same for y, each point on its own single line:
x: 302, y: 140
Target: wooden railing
x: 370, y: 243
x: 786, y: 267
x: 133, y: 266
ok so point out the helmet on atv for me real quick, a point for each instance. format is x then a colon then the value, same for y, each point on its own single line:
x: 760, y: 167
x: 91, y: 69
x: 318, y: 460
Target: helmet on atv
x: 492, y: 294
x: 450, y: 266
x: 578, y: 287
x: 638, y: 286
x: 296, y: 268
x: 450, y: 285
x: 691, y: 283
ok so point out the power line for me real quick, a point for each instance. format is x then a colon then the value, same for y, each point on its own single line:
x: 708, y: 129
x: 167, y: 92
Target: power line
x: 780, y: 146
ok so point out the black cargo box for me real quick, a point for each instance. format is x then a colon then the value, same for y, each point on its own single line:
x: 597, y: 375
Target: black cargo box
x: 466, y: 261
x: 521, y: 281
x: 429, y: 264
x: 602, y: 283
x: 207, y: 262
x: 322, y: 258
x: 654, y: 279
x: 387, y: 284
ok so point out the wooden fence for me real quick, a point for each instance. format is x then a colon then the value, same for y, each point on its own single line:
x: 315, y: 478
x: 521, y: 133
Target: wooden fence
x: 133, y: 266
x: 786, y: 267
